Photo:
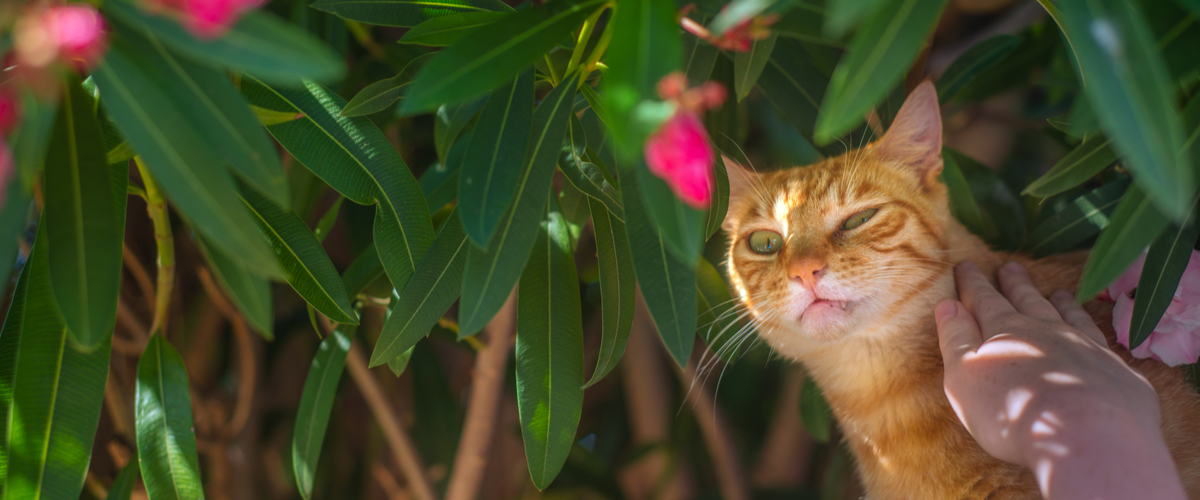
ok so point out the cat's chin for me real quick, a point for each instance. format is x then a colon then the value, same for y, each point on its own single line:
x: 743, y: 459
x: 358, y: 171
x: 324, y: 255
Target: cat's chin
x: 826, y: 319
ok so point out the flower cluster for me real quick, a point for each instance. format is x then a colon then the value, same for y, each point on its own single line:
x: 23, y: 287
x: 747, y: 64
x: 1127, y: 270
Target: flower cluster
x: 1176, y: 338
x: 206, y: 19
x: 738, y: 37
x: 679, y: 152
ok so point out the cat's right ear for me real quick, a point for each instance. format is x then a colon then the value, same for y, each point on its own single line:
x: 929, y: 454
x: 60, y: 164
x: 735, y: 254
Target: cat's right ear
x: 741, y: 182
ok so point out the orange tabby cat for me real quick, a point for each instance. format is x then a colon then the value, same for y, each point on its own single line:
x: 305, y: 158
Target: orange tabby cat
x: 841, y: 264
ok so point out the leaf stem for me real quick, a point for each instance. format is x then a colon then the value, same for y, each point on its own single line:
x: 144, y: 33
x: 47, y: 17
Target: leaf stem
x: 601, y: 46
x: 156, y: 205
x: 585, y: 33
x: 550, y: 69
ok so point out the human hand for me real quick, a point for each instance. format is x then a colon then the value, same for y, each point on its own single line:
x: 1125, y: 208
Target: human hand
x: 1035, y: 383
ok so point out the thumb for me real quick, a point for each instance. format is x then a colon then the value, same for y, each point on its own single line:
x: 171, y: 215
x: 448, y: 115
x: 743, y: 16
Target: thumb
x: 958, y: 333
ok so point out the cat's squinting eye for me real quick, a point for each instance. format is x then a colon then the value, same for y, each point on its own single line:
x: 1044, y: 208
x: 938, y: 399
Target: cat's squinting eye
x: 859, y: 218
x: 765, y: 242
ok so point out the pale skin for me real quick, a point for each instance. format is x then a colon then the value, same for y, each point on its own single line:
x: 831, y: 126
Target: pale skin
x: 1034, y: 382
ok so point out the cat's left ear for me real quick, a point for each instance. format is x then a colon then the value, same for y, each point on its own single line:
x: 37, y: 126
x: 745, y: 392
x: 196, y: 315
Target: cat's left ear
x: 915, y: 138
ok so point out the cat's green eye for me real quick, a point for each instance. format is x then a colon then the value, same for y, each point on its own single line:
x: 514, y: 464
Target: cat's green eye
x: 859, y: 218
x: 765, y: 242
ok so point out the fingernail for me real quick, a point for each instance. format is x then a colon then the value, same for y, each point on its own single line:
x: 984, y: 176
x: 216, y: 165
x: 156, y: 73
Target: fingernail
x: 1061, y: 294
x: 1014, y: 267
x: 945, y: 310
x: 967, y: 265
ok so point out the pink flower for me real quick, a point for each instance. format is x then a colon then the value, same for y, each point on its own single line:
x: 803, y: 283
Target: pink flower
x: 206, y: 19
x: 680, y: 154
x: 73, y: 35
x: 6, y: 170
x: 10, y: 110
x: 1176, y: 339
x: 737, y: 38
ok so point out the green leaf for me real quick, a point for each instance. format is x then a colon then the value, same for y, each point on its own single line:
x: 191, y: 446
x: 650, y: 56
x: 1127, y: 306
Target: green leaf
x: 749, y: 65
x: 549, y: 351
x: 645, y: 47
x: 1000, y: 207
x: 449, y: 122
x: 1164, y: 266
x: 328, y: 220
x: 981, y: 57
x: 1083, y: 218
x: 1126, y: 81
x: 404, y: 13
x: 259, y: 43
x: 1081, y: 164
x: 668, y: 285
x: 265, y: 117
x: 490, y: 274
x: 354, y: 157
x: 447, y: 30
x: 380, y: 95
x: 250, y: 293
x: 136, y: 95
x: 617, y: 288
x: 85, y: 220
x: 14, y: 218
x: 701, y: 56
x: 1135, y: 224
x: 720, y: 200
x: 718, y: 321
x: 881, y: 51
x: 804, y: 22
x: 814, y: 411
x: 122, y: 487
x: 794, y: 86
x: 587, y: 177
x: 166, y: 442
x: 29, y: 140
x: 682, y: 227
x: 305, y: 265
x: 52, y: 392
x: 491, y: 168
x: 842, y: 15
x: 364, y: 271
x: 439, y: 183
x: 737, y: 12
x: 398, y: 364
x: 427, y: 296
x: 962, y: 202
x: 495, y: 53
x: 316, y: 404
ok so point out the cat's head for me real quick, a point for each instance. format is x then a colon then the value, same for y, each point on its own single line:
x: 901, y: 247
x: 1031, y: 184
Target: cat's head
x: 818, y: 253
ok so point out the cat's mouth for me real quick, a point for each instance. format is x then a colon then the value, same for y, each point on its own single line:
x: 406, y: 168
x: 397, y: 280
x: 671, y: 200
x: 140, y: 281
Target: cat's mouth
x: 823, y: 311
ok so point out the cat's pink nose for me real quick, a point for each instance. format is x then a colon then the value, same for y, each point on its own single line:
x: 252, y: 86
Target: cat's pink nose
x: 808, y: 270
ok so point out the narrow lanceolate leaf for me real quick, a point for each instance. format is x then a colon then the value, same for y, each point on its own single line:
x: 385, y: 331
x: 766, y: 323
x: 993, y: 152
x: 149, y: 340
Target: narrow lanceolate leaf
x: 427, y: 296
x: 445, y: 31
x: 842, y: 15
x: 1081, y: 164
x: 150, y: 114
x: 794, y: 85
x: 698, y: 64
x: 962, y: 202
x: 250, y: 293
x: 617, y: 288
x: 645, y: 47
x: 363, y: 271
x: 491, y: 168
x: 166, y: 442
x: 404, y: 13
x: 1135, y: 224
x: 380, y: 95
x: 490, y: 274
x: 449, y: 122
x: 1080, y: 220
x: 353, y: 156
x: 585, y: 176
x: 720, y: 199
x: 881, y: 51
x: 718, y: 322
x: 668, y: 285
x: 1165, y: 262
x: 122, y: 487
x: 85, y: 221
x: 495, y: 53
x: 549, y: 351
x: 14, y: 218
x: 325, y: 224
x: 1131, y: 93
x: 316, y: 404
x: 260, y: 43
x: 682, y: 227
x: 52, y: 392
x: 814, y: 411
x: 738, y: 11
x: 982, y: 57
x: 747, y: 66
x: 223, y: 119
x: 305, y: 264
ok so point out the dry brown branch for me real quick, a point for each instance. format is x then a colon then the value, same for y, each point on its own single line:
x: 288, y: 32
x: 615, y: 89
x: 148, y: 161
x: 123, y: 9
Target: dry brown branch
x: 487, y: 390
x: 132, y: 323
x: 731, y: 479
x: 787, y: 449
x: 403, y: 449
x: 138, y: 271
x: 118, y: 409
x: 247, y: 369
x: 388, y: 482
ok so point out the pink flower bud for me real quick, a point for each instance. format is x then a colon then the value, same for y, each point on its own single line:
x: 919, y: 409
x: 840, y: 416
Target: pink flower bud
x: 672, y: 85
x: 73, y: 35
x: 205, y: 19
x: 10, y: 110
x: 680, y: 154
x: 1176, y: 338
x: 6, y: 170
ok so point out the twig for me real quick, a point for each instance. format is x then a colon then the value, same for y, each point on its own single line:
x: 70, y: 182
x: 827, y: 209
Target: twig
x: 401, y: 444
x: 248, y: 372
x: 786, y: 451
x: 135, y: 268
x: 487, y: 390
x: 114, y: 401
x: 731, y: 479
x: 156, y: 205
x: 388, y: 482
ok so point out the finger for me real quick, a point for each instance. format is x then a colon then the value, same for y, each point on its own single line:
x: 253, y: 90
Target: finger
x: 988, y: 307
x: 1014, y: 282
x: 958, y: 333
x: 1075, y: 316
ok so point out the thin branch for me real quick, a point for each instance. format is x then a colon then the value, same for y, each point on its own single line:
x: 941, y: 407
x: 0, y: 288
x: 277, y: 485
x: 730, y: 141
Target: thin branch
x: 786, y: 451
x: 731, y: 479
x: 403, y: 449
x: 115, y: 403
x: 247, y: 369
x: 135, y: 268
x: 487, y: 391
x: 156, y: 205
